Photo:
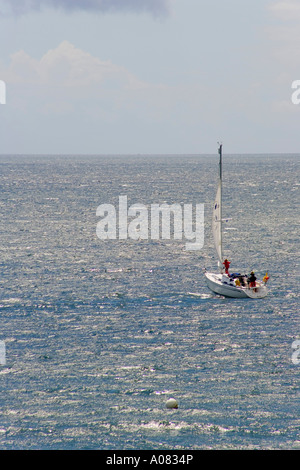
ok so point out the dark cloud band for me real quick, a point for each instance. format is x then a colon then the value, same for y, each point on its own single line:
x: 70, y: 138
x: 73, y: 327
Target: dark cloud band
x: 155, y: 7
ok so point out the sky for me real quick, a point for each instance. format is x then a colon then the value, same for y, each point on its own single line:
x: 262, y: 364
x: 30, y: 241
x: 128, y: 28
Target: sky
x: 149, y: 76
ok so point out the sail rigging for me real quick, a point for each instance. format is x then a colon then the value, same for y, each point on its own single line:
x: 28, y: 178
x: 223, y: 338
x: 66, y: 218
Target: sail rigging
x: 217, y: 215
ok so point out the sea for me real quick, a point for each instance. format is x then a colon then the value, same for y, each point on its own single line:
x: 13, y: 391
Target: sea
x: 97, y: 334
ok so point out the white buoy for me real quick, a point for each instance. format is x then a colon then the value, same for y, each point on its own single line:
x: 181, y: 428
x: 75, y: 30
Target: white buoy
x: 172, y: 403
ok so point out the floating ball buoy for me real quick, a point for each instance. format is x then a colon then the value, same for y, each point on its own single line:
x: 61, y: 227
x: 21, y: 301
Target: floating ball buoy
x: 172, y: 403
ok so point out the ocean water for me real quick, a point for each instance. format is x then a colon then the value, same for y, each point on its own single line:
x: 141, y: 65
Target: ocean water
x: 99, y: 334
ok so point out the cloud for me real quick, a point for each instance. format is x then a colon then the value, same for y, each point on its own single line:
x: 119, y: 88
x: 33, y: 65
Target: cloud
x: 284, y: 34
x: 68, y: 78
x: 286, y: 10
x: 71, y: 101
x: 67, y: 66
x: 155, y: 7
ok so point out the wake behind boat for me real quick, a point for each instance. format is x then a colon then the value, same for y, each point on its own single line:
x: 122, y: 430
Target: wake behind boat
x: 236, y: 284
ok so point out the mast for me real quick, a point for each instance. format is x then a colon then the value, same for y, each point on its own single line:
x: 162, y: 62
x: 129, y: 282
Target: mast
x: 217, y: 216
x: 220, y: 213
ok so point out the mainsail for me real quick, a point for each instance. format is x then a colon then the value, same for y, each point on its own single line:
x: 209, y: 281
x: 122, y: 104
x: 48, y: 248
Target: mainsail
x: 217, y: 215
x: 217, y: 224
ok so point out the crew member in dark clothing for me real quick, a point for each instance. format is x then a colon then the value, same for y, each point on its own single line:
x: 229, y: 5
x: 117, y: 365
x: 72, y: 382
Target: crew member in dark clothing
x: 252, y: 279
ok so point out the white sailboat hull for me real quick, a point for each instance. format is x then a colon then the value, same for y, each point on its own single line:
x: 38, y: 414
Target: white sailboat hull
x: 222, y: 285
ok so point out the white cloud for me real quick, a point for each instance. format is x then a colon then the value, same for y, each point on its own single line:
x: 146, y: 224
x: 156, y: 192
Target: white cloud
x: 66, y: 66
x: 66, y: 76
x: 70, y: 100
x: 78, y: 98
x: 286, y: 10
x: 284, y: 34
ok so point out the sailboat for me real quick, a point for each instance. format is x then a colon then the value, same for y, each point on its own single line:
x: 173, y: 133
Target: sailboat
x: 223, y: 283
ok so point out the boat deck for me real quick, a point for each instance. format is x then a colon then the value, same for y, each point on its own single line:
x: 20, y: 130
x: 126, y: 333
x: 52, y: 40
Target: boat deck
x: 225, y: 285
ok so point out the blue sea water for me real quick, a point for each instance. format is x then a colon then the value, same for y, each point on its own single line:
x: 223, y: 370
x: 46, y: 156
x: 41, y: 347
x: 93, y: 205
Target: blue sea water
x: 99, y: 334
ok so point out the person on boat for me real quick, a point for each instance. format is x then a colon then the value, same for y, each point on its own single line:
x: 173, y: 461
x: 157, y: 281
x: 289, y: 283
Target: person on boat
x: 252, y: 279
x: 266, y: 278
x: 226, y: 264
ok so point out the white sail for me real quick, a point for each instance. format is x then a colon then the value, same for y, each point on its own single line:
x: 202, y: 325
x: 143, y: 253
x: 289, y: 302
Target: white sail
x: 217, y: 223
